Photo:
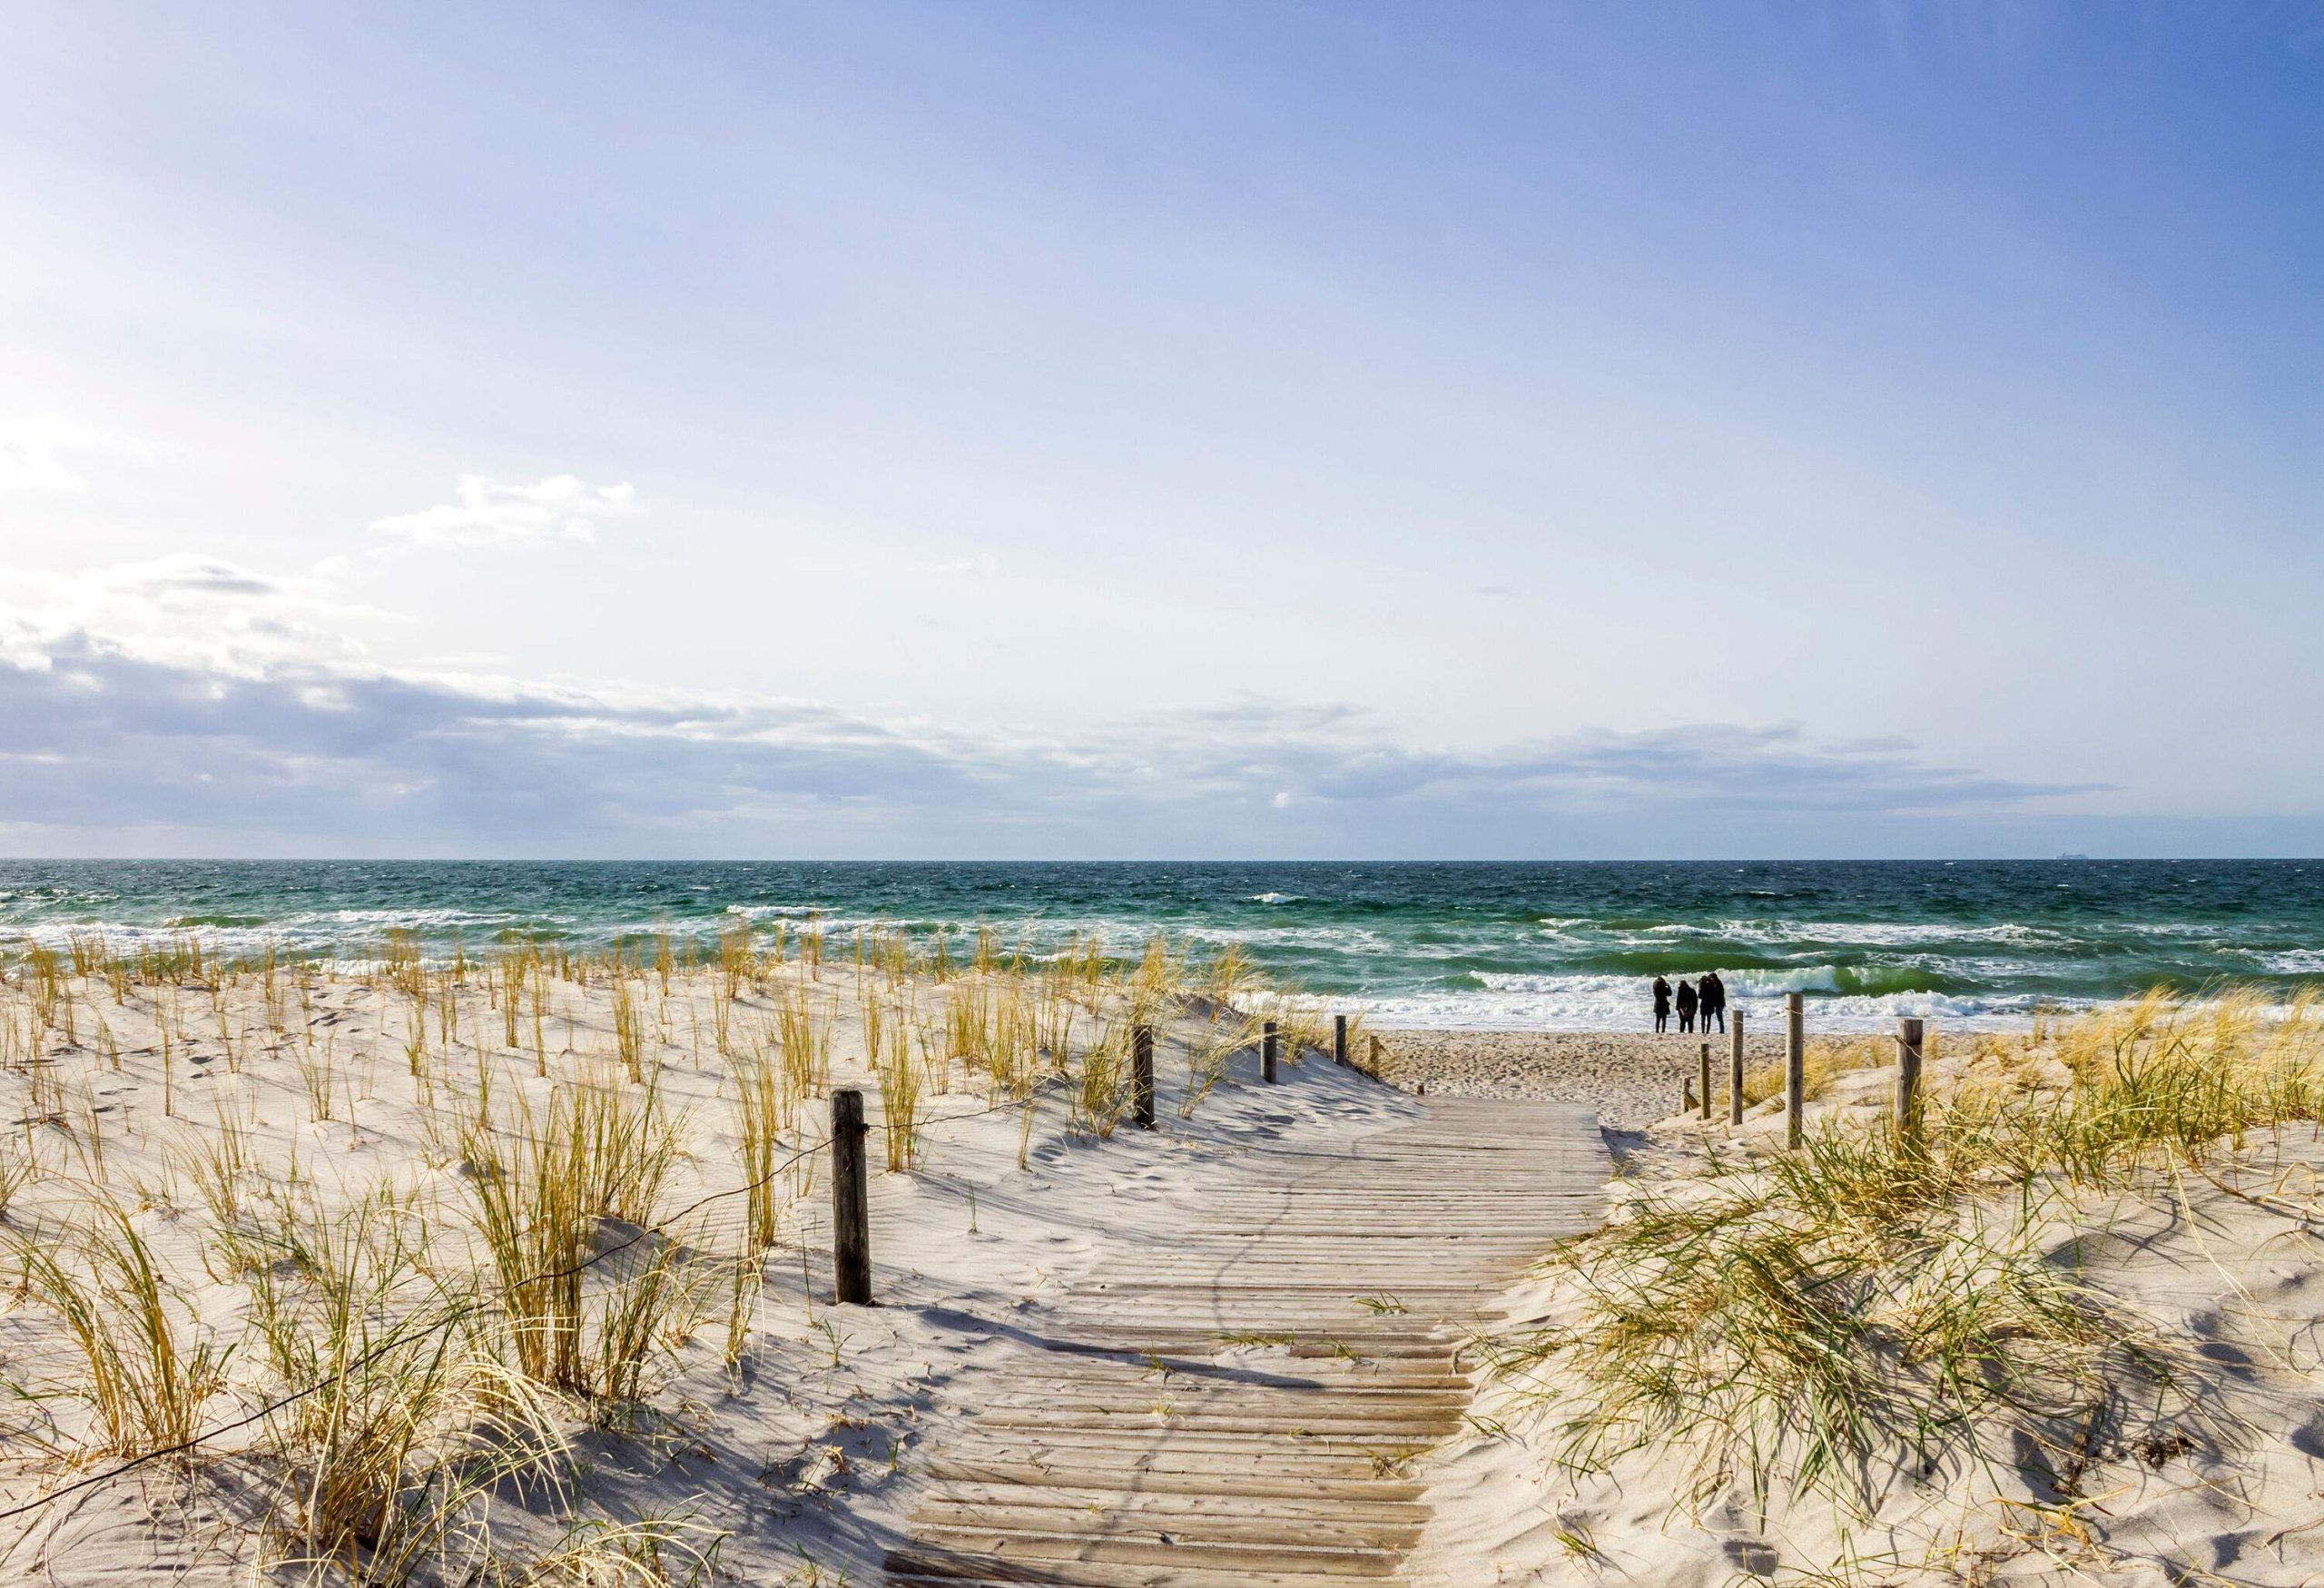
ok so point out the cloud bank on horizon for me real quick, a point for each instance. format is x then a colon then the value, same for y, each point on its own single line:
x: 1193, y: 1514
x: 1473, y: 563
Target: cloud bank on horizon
x: 915, y: 431
x: 189, y: 702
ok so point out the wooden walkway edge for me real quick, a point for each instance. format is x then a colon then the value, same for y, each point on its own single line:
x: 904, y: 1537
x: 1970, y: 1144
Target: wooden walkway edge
x: 1243, y: 1406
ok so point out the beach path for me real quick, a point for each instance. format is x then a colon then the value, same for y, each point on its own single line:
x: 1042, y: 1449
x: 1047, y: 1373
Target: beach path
x: 1243, y: 1404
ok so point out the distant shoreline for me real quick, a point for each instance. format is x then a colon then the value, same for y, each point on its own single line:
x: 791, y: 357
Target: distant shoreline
x: 1481, y: 946
x: 1632, y: 1078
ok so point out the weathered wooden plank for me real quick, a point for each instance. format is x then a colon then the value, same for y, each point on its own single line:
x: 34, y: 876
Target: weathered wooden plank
x: 1343, y: 1505
x: 1241, y: 1407
x: 1128, y: 1480
x: 923, y: 1568
x: 1158, y: 1548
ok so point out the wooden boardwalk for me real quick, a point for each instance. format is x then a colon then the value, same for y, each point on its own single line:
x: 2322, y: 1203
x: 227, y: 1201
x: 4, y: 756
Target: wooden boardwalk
x: 1151, y: 1447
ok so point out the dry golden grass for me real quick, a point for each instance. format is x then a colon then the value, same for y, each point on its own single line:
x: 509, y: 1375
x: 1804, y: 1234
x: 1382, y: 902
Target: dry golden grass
x: 900, y: 1079
x: 1878, y: 1303
x: 1822, y: 1059
x: 453, y: 1324
x: 149, y: 1367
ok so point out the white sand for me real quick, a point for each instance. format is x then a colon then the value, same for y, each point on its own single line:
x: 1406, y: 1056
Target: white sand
x: 1631, y: 1078
x: 807, y: 1460
x: 2230, y: 1268
x: 810, y: 1460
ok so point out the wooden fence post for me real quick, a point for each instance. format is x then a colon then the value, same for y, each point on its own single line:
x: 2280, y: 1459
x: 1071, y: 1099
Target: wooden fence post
x: 1339, y: 1039
x: 1266, y: 1053
x: 1908, y: 1078
x: 1376, y: 1058
x: 1141, y: 1075
x: 1706, y: 1081
x: 1795, y: 1068
x: 1735, y: 1069
x: 851, y: 1202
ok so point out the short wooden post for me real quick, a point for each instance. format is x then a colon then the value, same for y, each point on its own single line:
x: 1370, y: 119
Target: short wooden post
x: 851, y: 1202
x: 1339, y: 1039
x: 1376, y: 1058
x: 1706, y: 1081
x: 1266, y: 1052
x: 1141, y: 1075
x: 1795, y: 1068
x: 1735, y: 1069
x: 1686, y: 1097
x: 1908, y: 1077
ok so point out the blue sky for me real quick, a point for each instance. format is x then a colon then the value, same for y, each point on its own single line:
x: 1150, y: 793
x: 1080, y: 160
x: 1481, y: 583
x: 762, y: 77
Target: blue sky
x: 1587, y: 430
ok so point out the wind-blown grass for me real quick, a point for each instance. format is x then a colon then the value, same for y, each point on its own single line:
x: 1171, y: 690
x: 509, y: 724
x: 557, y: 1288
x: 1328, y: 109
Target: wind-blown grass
x: 1878, y: 1303
x: 539, y: 1189
x: 150, y: 1368
x: 436, y: 1335
x: 419, y: 1416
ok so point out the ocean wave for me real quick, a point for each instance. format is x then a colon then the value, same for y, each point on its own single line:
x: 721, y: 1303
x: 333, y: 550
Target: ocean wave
x: 1799, y: 978
x: 1593, y: 1003
x: 1276, y: 898
x: 1356, y: 939
x: 436, y: 918
x: 1850, y: 934
x: 2294, y: 961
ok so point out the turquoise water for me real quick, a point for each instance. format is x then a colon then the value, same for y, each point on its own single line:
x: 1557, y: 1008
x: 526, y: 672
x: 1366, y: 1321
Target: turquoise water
x: 1486, y: 946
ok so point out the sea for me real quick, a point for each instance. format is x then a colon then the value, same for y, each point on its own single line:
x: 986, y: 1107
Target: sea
x: 1488, y: 946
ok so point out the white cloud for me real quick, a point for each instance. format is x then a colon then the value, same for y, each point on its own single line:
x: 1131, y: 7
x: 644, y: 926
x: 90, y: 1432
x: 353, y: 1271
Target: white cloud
x: 984, y: 565
x: 197, y: 696
x: 34, y: 452
x: 185, y: 610
x: 494, y: 513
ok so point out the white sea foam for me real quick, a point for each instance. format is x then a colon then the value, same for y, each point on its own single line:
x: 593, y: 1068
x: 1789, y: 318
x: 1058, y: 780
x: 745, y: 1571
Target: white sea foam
x: 1346, y: 940
x: 1792, y: 979
x: 329, y: 936
x: 1276, y: 898
x: 438, y: 919
x: 2295, y: 962
x: 1620, y: 1003
x: 1855, y: 933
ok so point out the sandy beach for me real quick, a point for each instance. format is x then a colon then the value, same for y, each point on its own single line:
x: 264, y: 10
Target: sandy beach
x: 205, y: 1158
x: 226, y: 1180
x: 2163, y: 1316
x: 1631, y: 1078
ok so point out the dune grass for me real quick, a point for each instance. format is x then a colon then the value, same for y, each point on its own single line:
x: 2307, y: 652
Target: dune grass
x: 445, y: 1328
x: 149, y: 1369
x: 420, y: 1417
x: 541, y: 1183
x: 1878, y: 1307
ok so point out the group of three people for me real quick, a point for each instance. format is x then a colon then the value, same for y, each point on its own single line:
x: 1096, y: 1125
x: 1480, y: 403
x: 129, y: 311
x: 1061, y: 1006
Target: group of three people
x: 1707, y: 998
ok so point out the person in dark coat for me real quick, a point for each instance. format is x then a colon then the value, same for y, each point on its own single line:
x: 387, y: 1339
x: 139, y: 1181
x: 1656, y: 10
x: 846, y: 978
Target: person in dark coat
x: 1714, y: 1000
x: 1686, y: 1004
x: 1661, y: 1005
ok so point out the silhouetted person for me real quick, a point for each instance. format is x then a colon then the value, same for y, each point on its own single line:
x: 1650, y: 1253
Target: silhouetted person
x: 1714, y: 1000
x: 1661, y: 1005
x: 1686, y: 1004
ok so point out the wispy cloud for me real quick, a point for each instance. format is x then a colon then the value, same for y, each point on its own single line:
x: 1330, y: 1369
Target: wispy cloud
x: 202, y: 613
x: 194, y: 697
x: 983, y: 566
x: 41, y: 453
x: 496, y: 514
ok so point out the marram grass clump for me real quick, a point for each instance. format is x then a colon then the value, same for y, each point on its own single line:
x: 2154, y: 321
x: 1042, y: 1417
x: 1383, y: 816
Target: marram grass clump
x: 1881, y: 1309
x: 388, y: 1240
